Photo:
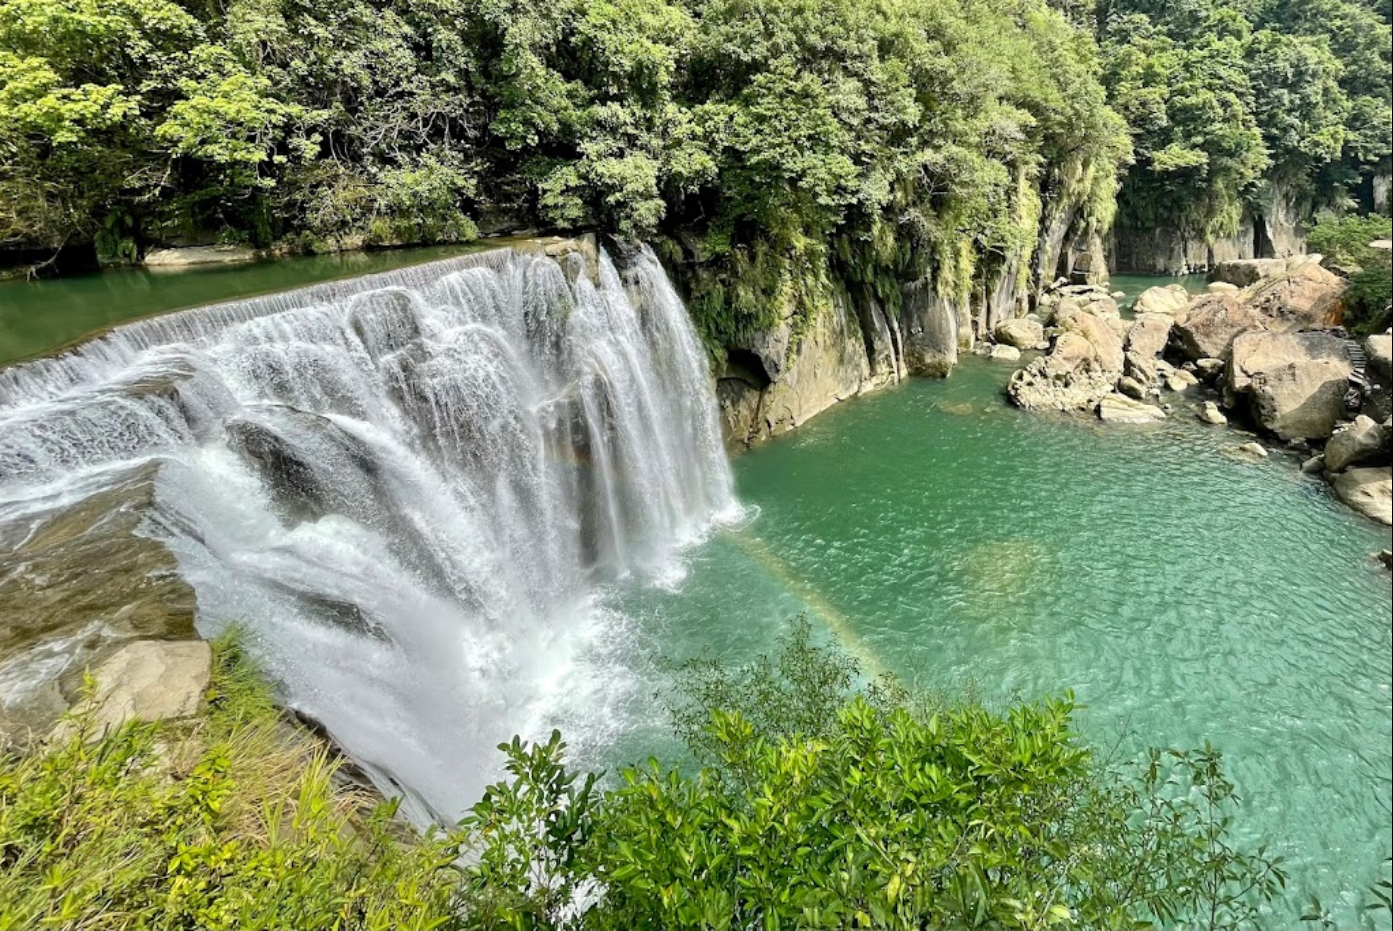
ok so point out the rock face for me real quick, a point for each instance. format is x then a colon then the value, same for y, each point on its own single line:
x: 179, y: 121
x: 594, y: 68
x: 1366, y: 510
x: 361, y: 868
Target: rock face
x: 151, y: 680
x: 831, y: 363
x: 1116, y: 408
x: 1368, y: 491
x: 185, y: 256
x: 1295, y: 383
x: 1170, y: 300
x: 1022, y: 333
x: 1364, y: 442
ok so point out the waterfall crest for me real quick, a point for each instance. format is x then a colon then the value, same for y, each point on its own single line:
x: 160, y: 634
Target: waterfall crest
x: 406, y: 486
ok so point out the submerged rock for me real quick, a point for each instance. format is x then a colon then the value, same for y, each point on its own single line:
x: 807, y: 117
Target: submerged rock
x: 1313, y: 466
x: 76, y: 581
x: 1253, y: 449
x: 1368, y: 491
x: 1003, y: 353
x: 1363, y: 442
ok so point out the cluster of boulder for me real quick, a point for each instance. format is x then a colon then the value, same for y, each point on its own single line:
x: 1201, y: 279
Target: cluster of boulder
x: 1263, y: 345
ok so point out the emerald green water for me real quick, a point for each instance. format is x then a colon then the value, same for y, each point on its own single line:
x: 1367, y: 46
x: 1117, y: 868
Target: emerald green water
x: 1132, y: 285
x: 39, y: 316
x: 1183, y: 595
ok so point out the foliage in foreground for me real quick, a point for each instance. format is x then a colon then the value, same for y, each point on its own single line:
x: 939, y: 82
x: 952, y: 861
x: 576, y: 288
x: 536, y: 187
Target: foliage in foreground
x: 233, y: 821
x: 822, y: 804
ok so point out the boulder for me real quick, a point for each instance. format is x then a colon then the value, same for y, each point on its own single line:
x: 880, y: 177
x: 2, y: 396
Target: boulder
x: 1116, y: 408
x: 1084, y: 362
x: 1169, y: 300
x: 1313, y: 466
x: 151, y: 680
x: 1213, y: 322
x: 1220, y: 287
x: 1255, y: 450
x: 1181, y: 380
x: 1211, y: 414
x: 1003, y: 353
x: 1368, y: 491
x: 1385, y: 557
x: 1295, y: 382
x: 1240, y: 273
x: 185, y: 256
x: 1022, y: 333
x: 1131, y: 388
x: 1307, y: 295
x: 1149, y: 334
x: 1364, y: 442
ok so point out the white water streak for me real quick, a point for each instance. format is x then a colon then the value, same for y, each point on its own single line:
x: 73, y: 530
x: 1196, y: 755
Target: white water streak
x: 404, y: 485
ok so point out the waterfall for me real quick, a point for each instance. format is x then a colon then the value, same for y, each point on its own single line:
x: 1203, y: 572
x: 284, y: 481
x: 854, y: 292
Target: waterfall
x: 406, y: 486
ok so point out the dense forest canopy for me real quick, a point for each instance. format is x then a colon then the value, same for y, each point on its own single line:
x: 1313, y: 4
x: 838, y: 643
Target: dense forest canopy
x: 1226, y: 100
x: 793, y: 146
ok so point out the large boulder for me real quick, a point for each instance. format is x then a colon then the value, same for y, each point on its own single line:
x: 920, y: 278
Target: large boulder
x: 1368, y: 491
x: 1244, y: 272
x: 1295, y: 382
x: 1364, y: 442
x: 1022, y: 332
x: 1148, y: 334
x: 1307, y: 295
x: 1070, y: 378
x: 1169, y: 300
x: 1116, y: 408
x: 1213, y: 322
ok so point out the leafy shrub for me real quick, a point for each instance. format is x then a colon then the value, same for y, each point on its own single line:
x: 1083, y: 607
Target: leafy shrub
x: 825, y: 803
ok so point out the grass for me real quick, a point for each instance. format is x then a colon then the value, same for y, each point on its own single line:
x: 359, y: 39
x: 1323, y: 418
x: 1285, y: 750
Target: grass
x: 230, y: 819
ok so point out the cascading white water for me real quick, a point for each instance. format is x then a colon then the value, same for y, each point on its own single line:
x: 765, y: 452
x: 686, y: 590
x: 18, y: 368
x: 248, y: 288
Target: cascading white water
x: 404, y: 486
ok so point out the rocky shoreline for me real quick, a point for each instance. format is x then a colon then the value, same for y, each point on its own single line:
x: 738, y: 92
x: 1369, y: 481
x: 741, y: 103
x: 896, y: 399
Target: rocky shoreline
x: 1262, y: 349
